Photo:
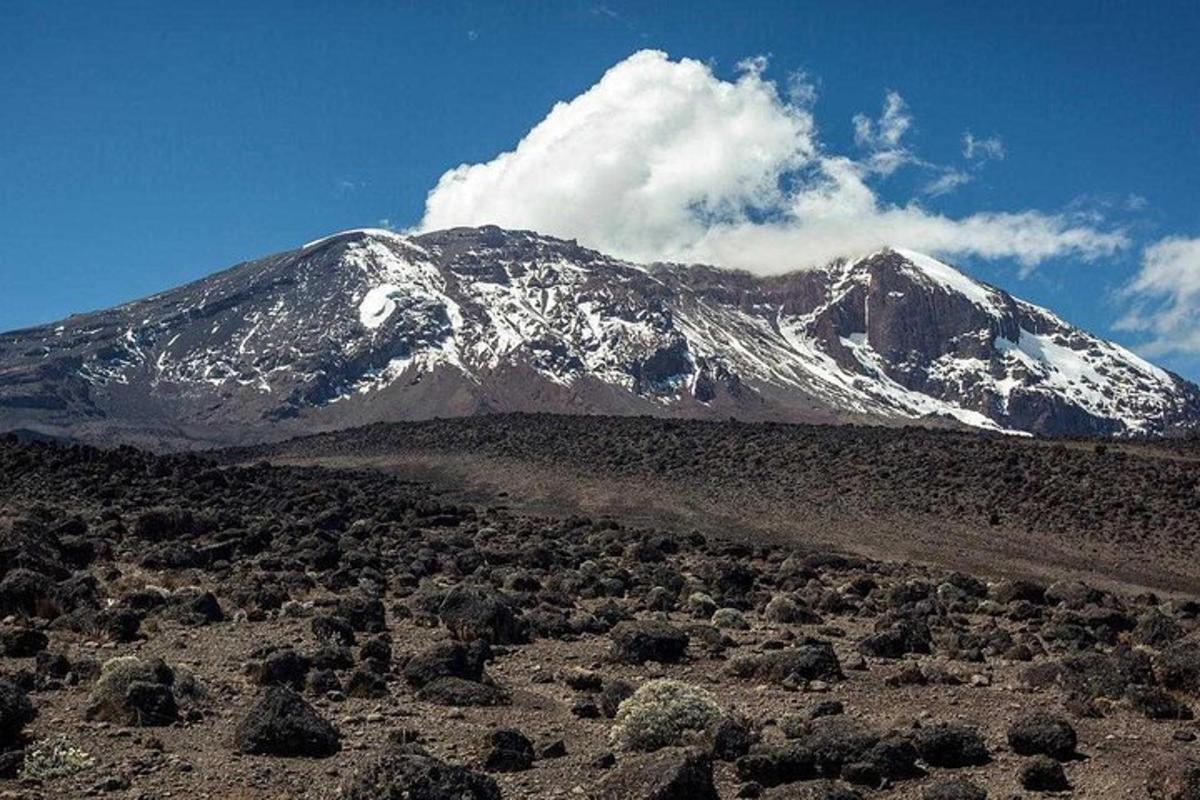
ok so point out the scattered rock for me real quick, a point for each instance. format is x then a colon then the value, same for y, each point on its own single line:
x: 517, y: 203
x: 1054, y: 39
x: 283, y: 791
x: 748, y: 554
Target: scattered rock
x: 15, y: 713
x: 509, y: 751
x: 955, y: 789
x: 639, y: 641
x: 452, y: 691
x: 667, y: 774
x: 281, y: 723
x: 1041, y: 733
x: 1043, y: 774
x: 472, y: 612
x: 407, y: 773
x: 950, y: 745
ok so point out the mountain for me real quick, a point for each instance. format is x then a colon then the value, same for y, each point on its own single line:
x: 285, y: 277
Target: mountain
x: 372, y: 325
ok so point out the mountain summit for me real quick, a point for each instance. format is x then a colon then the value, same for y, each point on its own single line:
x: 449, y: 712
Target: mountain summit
x: 372, y: 325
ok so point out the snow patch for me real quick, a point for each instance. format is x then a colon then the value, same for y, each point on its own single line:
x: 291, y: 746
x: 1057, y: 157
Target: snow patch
x: 378, y: 305
x: 952, y: 280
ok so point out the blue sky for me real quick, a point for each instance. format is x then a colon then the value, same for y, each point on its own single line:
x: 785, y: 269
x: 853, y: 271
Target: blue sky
x: 146, y: 144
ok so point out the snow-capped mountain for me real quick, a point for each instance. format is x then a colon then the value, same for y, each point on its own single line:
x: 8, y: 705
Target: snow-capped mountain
x: 372, y: 325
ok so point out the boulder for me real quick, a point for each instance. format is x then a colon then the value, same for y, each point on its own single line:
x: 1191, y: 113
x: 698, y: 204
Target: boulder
x: 1041, y: 733
x: 281, y: 723
x: 813, y: 660
x: 451, y: 691
x: 448, y: 660
x: 773, y: 765
x: 667, y: 774
x: 509, y: 750
x: 22, y: 642
x: 955, y: 789
x: 638, y: 641
x: 408, y: 773
x: 950, y: 745
x: 15, y: 713
x: 1043, y: 774
x: 472, y: 612
x: 1178, y: 667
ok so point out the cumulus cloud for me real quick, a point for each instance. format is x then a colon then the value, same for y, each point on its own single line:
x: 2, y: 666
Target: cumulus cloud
x: 1164, y: 295
x: 663, y: 160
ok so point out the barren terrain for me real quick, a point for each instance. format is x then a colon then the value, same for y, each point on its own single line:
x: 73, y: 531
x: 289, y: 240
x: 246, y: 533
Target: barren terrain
x: 458, y: 625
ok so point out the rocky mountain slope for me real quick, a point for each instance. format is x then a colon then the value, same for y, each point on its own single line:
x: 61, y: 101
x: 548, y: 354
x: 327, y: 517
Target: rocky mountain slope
x: 371, y: 325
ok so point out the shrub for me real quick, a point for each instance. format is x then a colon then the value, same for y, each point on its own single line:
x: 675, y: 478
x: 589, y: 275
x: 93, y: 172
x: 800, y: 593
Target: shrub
x: 729, y: 618
x: 133, y: 692
x: 701, y: 605
x: 793, y: 726
x: 662, y: 713
x: 54, y: 757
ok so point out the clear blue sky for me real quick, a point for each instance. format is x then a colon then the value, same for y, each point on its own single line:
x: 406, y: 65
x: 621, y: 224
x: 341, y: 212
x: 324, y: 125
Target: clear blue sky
x: 143, y: 144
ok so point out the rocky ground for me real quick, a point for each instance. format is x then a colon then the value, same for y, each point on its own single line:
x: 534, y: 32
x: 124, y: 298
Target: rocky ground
x: 1126, y: 514
x: 175, y: 627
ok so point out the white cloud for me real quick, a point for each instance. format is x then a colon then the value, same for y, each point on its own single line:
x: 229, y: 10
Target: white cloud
x: 663, y: 160
x: 801, y: 89
x: 1165, y: 296
x: 888, y: 130
x: 989, y: 149
x: 883, y: 137
x: 947, y: 182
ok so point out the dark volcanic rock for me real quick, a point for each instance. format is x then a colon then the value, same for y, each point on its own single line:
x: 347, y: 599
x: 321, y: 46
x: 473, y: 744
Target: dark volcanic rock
x: 1043, y: 774
x: 15, y: 713
x: 29, y: 593
x: 458, y: 692
x: 1157, y: 703
x: 955, y: 789
x: 22, y: 642
x: 509, y: 751
x: 772, y: 765
x: 1041, y: 733
x: 813, y: 660
x: 730, y: 738
x: 281, y: 723
x: 409, y: 774
x: 449, y: 660
x: 647, y: 640
x: 950, y: 745
x: 1178, y: 667
x: 478, y: 612
x: 667, y: 774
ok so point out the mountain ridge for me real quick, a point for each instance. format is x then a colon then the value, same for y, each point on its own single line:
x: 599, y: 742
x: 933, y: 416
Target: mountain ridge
x: 368, y: 325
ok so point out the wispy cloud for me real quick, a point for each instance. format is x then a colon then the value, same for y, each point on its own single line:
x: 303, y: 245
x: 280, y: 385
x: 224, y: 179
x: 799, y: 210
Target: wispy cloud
x: 988, y: 149
x: 947, y: 182
x: 1164, y: 297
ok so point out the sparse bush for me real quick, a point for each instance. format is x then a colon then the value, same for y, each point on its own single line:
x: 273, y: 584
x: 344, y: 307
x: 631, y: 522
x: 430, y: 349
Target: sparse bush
x: 54, y: 757
x: 729, y: 618
x: 133, y: 692
x: 662, y: 713
x: 793, y: 726
x: 782, y: 609
x: 701, y: 605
